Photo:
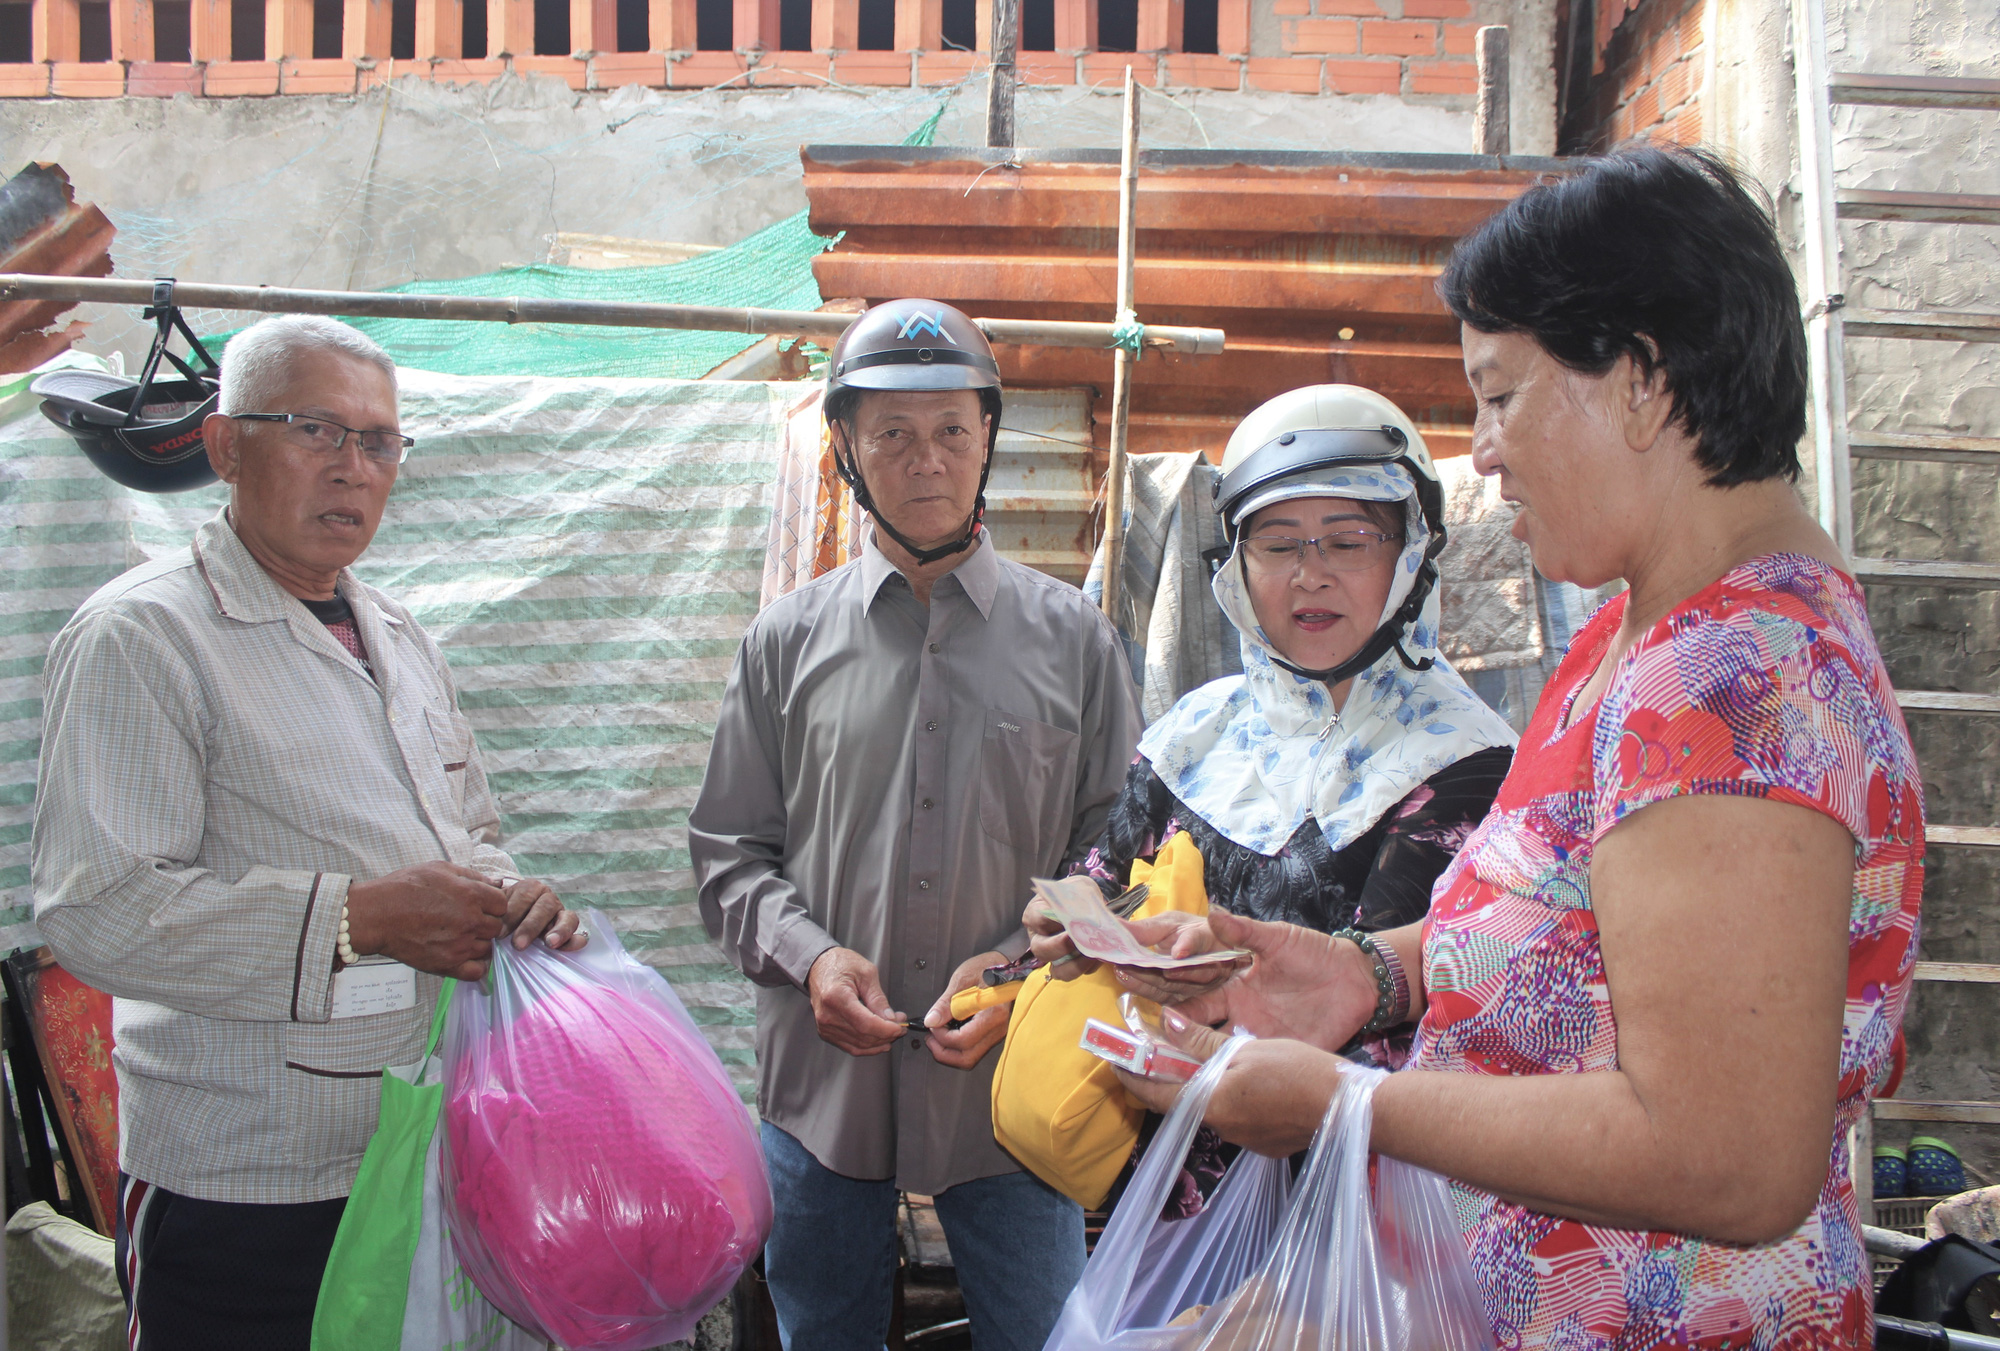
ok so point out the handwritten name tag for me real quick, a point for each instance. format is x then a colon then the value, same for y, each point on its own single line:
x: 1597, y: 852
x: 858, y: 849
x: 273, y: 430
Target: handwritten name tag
x: 373, y: 986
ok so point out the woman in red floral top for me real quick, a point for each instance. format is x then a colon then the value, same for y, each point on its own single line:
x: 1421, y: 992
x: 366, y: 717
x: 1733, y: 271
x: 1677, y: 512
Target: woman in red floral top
x: 1662, y: 978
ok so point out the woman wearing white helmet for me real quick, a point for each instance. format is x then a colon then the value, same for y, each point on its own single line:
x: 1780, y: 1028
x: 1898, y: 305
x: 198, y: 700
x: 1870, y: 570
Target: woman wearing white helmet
x: 1330, y: 784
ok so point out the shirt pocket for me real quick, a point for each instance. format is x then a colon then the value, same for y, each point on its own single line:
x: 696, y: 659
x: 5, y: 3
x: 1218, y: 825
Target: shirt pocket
x: 1027, y: 783
x: 452, y: 731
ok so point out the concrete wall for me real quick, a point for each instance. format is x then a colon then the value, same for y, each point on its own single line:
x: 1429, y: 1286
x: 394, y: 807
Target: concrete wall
x: 1934, y: 638
x: 421, y: 178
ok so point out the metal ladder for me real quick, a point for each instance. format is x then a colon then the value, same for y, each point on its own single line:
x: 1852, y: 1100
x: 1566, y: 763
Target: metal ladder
x: 1829, y: 324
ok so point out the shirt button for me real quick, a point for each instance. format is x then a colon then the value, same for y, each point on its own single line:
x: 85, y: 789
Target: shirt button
x: 916, y: 1043
x: 923, y: 886
x: 930, y: 727
x: 927, y: 804
x: 936, y: 648
x: 921, y: 963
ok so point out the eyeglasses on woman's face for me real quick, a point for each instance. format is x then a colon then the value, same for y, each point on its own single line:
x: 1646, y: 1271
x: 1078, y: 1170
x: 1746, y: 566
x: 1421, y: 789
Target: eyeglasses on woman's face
x: 1340, y: 551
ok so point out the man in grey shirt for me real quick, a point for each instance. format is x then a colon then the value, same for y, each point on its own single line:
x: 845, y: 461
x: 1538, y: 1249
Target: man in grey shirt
x: 904, y: 743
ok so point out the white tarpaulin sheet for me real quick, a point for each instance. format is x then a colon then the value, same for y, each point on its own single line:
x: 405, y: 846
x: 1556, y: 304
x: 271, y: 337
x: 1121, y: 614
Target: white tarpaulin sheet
x: 587, y: 552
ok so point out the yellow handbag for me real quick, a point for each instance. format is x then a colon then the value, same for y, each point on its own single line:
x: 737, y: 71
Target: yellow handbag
x: 1057, y: 1108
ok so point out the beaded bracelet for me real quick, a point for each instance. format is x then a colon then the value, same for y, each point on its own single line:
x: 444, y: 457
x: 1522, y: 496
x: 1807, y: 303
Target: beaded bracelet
x: 343, y: 946
x: 1392, y: 997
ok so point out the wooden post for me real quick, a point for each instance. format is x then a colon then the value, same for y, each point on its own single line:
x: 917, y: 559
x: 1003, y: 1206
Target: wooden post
x: 670, y: 25
x: 132, y: 29
x: 56, y: 31
x: 1000, y: 86
x: 756, y: 25
x: 836, y: 25
x: 364, y: 29
x: 1162, y: 25
x: 440, y: 28
x: 510, y: 27
x: 1490, y: 121
x: 209, y: 35
x: 288, y: 30
x: 919, y: 25
x: 1122, y: 359
x: 593, y: 25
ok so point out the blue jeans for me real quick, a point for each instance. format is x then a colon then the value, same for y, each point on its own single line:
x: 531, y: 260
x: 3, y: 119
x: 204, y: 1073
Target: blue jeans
x: 1017, y: 1246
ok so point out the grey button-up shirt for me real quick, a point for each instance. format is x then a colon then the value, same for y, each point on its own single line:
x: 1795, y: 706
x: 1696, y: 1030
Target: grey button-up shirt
x: 215, y: 769
x: 887, y: 777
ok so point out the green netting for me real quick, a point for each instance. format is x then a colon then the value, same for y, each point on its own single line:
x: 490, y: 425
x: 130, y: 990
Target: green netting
x: 771, y: 269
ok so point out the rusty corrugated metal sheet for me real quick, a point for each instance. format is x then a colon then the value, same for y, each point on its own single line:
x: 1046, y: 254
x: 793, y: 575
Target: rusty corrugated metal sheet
x: 1320, y: 267
x: 44, y: 230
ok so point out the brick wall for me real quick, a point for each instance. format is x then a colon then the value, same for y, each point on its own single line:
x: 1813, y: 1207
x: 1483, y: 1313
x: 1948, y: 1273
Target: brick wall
x: 1646, y: 80
x: 1415, y: 49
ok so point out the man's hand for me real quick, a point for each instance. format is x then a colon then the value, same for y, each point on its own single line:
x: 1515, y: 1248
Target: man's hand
x: 1048, y: 940
x: 848, y: 1003
x: 966, y: 1047
x: 534, y: 911
x: 436, y: 917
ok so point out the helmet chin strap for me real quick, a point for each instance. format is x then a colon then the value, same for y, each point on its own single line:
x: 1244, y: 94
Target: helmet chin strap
x: 850, y: 474
x: 1389, y: 635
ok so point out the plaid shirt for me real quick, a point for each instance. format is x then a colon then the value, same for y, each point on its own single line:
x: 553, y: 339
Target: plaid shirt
x: 216, y: 769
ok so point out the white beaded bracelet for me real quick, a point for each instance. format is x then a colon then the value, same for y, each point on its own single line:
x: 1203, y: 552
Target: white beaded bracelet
x: 343, y: 946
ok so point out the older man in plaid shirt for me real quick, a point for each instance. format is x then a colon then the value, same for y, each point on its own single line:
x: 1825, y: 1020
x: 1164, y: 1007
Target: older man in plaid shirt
x: 263, y: 826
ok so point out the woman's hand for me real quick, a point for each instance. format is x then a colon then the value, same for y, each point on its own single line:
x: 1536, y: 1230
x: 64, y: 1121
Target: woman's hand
x: 1301, y: 984
x: 1177, y: 934
x: 1049, y: 941
x: 1273, y: 1095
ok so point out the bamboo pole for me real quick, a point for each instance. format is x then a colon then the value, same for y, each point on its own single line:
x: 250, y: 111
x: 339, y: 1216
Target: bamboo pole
x: 1122, y: 359
x: 1000, y: 92
x: 815, y: 324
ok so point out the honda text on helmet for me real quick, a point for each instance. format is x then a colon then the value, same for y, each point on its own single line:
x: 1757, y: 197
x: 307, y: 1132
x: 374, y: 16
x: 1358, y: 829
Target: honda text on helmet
x: 911, y: 345
x: 1294, y: 446
x: 144, y: 433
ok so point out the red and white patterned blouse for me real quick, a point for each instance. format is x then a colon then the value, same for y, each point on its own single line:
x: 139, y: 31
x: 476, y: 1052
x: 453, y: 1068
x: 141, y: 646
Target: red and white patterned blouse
x: 1766, y: 684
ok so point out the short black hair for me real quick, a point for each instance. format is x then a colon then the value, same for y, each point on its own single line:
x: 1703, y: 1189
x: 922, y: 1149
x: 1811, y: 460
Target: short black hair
x: 1667, y: 255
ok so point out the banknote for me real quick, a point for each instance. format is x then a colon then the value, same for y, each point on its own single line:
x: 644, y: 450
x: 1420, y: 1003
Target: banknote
x: 1078, y: 904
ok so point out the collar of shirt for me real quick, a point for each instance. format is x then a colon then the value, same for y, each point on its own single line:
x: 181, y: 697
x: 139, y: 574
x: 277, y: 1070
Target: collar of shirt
x: 978, y: 573
x: 243, y: 591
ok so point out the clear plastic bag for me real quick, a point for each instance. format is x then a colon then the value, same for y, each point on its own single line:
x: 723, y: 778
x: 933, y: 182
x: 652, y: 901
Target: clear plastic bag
x: 603, y: 1181
x: 1356, y: 1254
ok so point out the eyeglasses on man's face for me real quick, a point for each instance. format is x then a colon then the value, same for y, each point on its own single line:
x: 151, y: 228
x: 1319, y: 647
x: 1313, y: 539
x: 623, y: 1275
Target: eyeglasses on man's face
x: 1341, y: 551
x: 318, y: 434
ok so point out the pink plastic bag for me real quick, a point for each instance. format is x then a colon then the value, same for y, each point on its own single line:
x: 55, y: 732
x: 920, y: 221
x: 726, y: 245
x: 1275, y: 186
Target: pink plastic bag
x: 604, y: 1182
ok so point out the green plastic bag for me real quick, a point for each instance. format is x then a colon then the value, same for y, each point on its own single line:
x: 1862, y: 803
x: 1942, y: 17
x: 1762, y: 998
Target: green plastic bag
x: 363, y: 1295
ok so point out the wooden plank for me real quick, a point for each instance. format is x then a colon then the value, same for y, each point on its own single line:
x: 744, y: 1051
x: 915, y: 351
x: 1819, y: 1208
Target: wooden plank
x: 1914, y: 91
x: 441, y: 28
x: 1965, y: 1113
x: 1916, y: 572
x: 1947, y: 701
x: 1934, y: 325
x: 1931, y: 449
x: 1972, y: 837
x: 132, y: 29
x: 1976, y: 973
x: 1940, y: 208
x: 56, y: 30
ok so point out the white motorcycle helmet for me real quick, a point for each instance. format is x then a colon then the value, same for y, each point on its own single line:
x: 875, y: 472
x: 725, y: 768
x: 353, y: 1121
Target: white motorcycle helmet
x: 1302, y: 438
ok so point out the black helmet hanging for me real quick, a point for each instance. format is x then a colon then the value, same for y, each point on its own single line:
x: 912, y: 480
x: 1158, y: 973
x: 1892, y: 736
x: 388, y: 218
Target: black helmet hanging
x: 912, y: 345
x: 144, y: 433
